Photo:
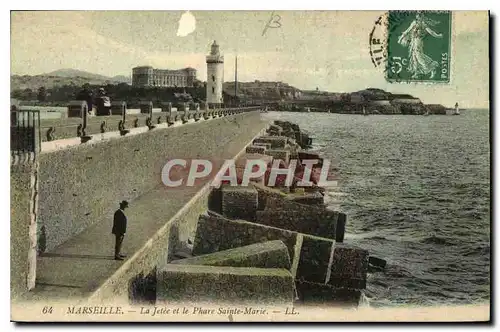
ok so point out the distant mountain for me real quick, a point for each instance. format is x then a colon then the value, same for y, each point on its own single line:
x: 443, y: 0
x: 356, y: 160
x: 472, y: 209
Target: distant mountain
x: 80, y: 73
x: 76, y: 73
x: 62, y: 77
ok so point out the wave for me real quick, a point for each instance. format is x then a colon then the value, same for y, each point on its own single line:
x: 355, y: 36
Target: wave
x: 421, y: 206
x: 397, y: 271
x: 377, y: 237
x: 437, y: 240
x: 479, y: 250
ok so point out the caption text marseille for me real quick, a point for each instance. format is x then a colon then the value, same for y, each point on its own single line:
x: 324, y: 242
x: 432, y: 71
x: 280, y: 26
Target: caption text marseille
x: 157, y: 311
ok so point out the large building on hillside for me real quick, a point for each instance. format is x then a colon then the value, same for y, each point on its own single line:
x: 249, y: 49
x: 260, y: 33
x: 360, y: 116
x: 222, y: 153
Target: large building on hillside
x: 147, y: 76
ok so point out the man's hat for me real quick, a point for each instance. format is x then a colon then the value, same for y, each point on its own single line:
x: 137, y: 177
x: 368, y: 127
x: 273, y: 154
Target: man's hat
x: 124, y: 203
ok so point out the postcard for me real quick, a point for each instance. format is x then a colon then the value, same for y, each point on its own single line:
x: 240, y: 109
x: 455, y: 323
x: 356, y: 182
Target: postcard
x: 250, y: 166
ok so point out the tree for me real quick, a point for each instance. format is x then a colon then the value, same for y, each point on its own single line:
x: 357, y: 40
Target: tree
x: 27, y: 94
x: 42, y: 94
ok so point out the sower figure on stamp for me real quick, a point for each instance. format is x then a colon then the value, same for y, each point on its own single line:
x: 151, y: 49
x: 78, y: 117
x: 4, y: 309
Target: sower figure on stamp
x: 413, y: 38
x: 119, y: 229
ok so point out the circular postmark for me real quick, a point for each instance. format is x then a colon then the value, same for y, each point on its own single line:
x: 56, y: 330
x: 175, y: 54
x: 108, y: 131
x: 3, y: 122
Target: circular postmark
x: 378, y: 41
x: 384, y: 26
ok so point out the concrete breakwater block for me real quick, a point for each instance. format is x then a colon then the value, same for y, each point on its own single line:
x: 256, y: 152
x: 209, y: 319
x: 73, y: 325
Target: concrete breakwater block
x: 239, y: 202
x: 255, y: 149
x: 264, y: 192
x: 215, y: 200
x: 310, y: 156
x: 279, y: 154
x: 310, y: 258
x: 277, y: 142
x: 216, y: 233
x: 298, y: 138
x: 223, y: 284
x: 314, y: 189
x: 303, y: 139
x: 316, y: 293
x: 349, y: 267
x: 308, y: 219
x: 288, y: 133
x: 274, y: 130
x: 314, y: 261
x: 321, y: 222
x: 290, y: 202
x: 294, y: 148
x: 182, y: 250
x: 275, y: 133
x: 274, y: 127
x: 266, y: 145
x: 311, y: 255
x: 270, y: 254
x: 287, y: 125
x: 241, y: 165
x: 340, y: 231
x: 310, y: 198
x: 241, y: 162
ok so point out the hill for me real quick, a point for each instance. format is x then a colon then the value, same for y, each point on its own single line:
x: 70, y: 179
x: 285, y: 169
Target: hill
x: 68, y: 72
x: 62, y: 77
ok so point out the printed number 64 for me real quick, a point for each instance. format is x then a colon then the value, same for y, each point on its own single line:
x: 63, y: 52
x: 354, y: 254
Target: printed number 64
x: 47, y: 310
x: 397, y: 64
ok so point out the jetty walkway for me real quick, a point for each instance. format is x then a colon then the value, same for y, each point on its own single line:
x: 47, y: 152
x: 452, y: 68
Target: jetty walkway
x: 82, y: 267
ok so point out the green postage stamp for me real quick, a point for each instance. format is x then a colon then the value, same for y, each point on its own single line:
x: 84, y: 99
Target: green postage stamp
x: 419, y: 46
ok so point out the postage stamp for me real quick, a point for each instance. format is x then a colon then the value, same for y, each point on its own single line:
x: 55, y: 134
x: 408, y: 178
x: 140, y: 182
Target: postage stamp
x: 418, y: 46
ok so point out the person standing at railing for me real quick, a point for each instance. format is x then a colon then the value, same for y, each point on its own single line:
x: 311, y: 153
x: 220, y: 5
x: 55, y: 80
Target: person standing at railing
x: 119, y: 229
x: 90, y: 101
x: 103, y: 103
x: 87, y: 95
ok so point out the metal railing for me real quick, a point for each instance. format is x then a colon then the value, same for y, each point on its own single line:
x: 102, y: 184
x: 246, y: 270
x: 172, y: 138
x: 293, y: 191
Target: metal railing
x: 86, y: 126
x: 24, y: 132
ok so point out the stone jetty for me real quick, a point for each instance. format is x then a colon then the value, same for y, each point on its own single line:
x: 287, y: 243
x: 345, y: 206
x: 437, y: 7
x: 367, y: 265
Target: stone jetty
x: 276, y: 245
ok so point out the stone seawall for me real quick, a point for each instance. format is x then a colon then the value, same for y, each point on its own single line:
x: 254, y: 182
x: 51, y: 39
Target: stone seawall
x: 125, y: 282
x: 133, y: 275
x: 81, y: 185
x: 23, y: 197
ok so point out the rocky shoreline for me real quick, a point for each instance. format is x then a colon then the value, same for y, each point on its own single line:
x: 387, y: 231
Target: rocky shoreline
x: 368, y: 101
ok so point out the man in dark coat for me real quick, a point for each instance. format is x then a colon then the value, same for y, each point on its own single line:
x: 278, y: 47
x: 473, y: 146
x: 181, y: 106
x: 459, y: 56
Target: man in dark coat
x: 119, y: 229
x: 103, y: 103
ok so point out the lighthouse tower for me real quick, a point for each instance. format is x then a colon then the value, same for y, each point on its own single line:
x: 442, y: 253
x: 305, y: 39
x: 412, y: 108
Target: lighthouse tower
x: 215, y: 76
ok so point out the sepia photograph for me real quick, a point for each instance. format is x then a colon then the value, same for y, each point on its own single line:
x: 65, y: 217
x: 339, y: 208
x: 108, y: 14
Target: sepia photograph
x: 250, y: 166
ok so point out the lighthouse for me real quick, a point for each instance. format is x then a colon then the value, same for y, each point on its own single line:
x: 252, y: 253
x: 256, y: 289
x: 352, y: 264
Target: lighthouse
x: 215, y: 76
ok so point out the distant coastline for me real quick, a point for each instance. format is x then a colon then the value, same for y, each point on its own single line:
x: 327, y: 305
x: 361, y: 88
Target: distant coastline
x: 57, y: 88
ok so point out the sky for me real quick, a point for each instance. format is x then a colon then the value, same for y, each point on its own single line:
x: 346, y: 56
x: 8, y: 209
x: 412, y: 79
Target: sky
x: 324, y: 49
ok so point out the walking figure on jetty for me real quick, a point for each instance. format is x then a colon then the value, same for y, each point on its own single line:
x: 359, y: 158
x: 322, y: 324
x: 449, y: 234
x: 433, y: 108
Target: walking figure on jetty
x: 119, y: 229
